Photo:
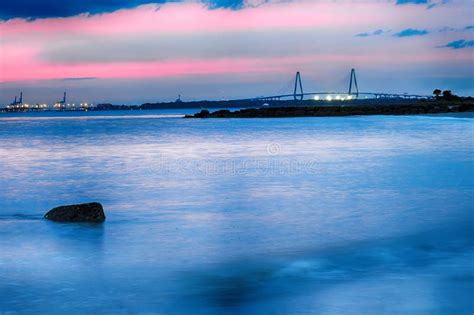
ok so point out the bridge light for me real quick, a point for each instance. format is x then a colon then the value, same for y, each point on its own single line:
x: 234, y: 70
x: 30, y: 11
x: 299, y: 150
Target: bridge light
x: 349, y: 97
x: 316, y: 98
x: 328, y: 98
x: 338, y: 97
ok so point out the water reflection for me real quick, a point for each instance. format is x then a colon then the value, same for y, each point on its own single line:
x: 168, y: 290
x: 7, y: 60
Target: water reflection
x: 203, y: 218
x: 254, y: 283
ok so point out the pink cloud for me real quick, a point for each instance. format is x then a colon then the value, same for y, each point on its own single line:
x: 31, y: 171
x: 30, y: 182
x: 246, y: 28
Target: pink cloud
x: 29, y: 69
x: 194, y: 17
x: 36, y: 71
x: 24, y: 41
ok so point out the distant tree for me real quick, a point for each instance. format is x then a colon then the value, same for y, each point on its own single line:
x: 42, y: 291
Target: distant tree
x: 447, y: 94
x: 437, y: 92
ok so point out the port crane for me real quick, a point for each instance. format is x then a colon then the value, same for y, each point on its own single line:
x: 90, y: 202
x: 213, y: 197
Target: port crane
x: 61, y: 103
x: 19, y: 102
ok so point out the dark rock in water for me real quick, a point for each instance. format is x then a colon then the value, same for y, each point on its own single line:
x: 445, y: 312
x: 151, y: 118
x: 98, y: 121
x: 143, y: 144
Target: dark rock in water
x: 86, y: 212
x: 204, y: 113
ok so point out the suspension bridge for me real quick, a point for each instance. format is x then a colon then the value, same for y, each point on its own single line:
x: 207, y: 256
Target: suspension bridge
x: 353, y: 93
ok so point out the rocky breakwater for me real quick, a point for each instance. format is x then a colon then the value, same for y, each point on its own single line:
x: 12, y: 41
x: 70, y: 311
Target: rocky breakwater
x: 339, y: 110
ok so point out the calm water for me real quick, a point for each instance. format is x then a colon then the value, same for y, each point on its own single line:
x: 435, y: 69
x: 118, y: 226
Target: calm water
x: 354, y: 215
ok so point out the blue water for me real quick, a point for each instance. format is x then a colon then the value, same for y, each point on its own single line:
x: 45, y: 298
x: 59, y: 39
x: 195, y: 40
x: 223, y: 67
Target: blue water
x: 348, y: 215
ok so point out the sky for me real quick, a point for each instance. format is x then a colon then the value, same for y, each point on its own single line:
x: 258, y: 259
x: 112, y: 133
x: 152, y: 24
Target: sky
x: 136, y: 51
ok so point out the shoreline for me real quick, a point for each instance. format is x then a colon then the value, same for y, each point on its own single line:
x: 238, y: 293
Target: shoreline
x: 419, y: 108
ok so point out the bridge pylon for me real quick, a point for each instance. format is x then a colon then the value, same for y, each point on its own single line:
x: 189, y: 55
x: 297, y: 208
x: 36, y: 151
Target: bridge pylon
x: 353, y: 81
x: 298, y: 85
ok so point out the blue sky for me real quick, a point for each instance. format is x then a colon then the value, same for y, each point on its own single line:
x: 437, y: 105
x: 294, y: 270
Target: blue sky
x: 142, y: 51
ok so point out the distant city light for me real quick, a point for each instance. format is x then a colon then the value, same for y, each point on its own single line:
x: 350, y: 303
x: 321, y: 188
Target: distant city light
x: 316, y: 98
x: 328, y: 98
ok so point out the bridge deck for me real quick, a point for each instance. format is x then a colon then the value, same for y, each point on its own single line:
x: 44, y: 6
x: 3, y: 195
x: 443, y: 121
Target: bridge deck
x: 342, y: 94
